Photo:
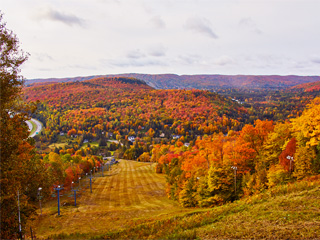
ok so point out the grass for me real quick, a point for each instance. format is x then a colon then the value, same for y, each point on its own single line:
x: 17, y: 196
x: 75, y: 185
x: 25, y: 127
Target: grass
x: 57, y: 145
x: 92, y: 144
x: 130, y: 203
x: 128, y: 195
x: 293, y: 214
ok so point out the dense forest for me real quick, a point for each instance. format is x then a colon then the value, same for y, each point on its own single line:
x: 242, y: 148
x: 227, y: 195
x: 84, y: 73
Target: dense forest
x: 200, y: 139
x: 214, y: 146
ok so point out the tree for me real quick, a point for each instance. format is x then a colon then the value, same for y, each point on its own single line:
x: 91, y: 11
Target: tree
x: 307, y: 125
x: 221, y: 182
x: 15, y: 151
x: 187, y: 196
x: 287, y: 156
x: 274, y: 144
x: 277, y: 175
x: 11, y: 58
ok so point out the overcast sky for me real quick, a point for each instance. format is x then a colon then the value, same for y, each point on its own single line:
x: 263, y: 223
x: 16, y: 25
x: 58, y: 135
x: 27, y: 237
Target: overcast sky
x: 69, y: 38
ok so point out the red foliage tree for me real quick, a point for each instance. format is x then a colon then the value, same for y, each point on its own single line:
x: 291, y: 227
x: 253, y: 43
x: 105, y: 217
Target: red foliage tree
x: 286, y: 158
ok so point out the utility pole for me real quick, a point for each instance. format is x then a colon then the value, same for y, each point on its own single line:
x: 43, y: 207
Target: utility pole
x: 291, y: 160
x: 39, y: 195
x: 235, y: 178
x: 20, y: 232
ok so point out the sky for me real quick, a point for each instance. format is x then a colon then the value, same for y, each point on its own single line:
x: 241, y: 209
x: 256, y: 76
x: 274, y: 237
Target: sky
x: 70, y: 38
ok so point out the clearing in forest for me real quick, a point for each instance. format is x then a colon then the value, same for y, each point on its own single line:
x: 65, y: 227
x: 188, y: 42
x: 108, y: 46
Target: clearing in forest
x: 130, y: 193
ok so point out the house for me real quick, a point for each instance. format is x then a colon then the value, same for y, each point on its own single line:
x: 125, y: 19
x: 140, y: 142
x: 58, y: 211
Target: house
x: 186, y: 144
x: 176, y: 136
x: 131, y: 138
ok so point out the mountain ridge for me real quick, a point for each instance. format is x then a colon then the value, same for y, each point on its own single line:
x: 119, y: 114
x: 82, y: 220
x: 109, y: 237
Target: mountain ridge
x: 201, y: 81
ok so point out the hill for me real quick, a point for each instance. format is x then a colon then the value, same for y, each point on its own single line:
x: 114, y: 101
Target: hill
x: 308, y: 87
x: 128, y: 107
x: 173, y: 81
x: 130, y: 193
x: 130, y: 203
x: 72, y: 92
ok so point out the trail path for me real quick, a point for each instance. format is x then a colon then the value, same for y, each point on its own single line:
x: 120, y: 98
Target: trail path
x: 130, y: 192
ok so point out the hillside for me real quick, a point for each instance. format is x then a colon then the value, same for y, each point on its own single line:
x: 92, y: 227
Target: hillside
x: 130, y: 193
x: 173, y: 81
x: 130, y: 203
x: 308, y: 87
x: 121, y: 106
x: 203, y: 149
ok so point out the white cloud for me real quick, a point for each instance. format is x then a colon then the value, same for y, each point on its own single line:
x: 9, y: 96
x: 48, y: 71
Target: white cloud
x: 223, y: 60
x: 157, y: 51
x: 41, y: 57
x: 135, y: 54
x: 136, y: 62
x: 249, y: 24
x: 315, y: 59
x: 59, y: 16
x: 252, y: 37
x: 190, y: 59
x: 157, y: 22
x: 201, y: 25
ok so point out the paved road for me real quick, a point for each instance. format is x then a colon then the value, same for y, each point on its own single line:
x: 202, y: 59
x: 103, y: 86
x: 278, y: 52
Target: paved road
x: 38, y: 129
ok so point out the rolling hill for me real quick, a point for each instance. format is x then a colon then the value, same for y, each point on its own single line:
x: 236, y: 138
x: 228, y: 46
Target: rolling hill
x: 173, y: 81
x: 308, y: 87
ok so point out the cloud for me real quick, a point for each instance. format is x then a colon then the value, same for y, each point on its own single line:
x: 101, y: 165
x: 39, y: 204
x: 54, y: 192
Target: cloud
x: 157, y: 51
x: 249, y: 24
x: 136, y: 62
x: 54, y: 15
x: 135, y: 54
x: 42, y: 57
x: 315, y: 59
x: 190, y: 59
x: 223, y: 60
x: 201, y: 25
x: 157, y: 22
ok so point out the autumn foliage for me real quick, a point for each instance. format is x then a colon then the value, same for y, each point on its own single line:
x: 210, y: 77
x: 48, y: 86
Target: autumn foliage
x: 220, y: 168
x: 208, y: 147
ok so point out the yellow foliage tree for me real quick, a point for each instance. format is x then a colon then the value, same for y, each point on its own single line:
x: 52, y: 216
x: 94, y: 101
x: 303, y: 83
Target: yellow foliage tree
x: 307, y: 126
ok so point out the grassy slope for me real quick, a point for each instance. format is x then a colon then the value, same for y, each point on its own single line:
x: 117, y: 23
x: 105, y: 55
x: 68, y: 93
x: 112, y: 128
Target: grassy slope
x: 130, y: 204
x: 286, y: 212
x: 130, y: 194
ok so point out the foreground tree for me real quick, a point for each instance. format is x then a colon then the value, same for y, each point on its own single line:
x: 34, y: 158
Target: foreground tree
x: 16, y: 151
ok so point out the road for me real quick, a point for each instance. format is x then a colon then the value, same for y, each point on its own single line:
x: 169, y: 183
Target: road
x: 38, y: 124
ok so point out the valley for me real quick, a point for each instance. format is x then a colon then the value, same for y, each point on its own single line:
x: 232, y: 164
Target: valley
x: 183, y: 144
x: 189, y: 160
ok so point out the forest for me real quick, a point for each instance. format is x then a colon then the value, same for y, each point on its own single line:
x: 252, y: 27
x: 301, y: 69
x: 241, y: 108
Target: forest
x: 238, y: 138
x: 213, y: 146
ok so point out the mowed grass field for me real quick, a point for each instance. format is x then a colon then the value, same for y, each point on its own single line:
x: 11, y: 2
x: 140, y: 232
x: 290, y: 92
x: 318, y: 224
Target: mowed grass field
x: 130, y: 194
